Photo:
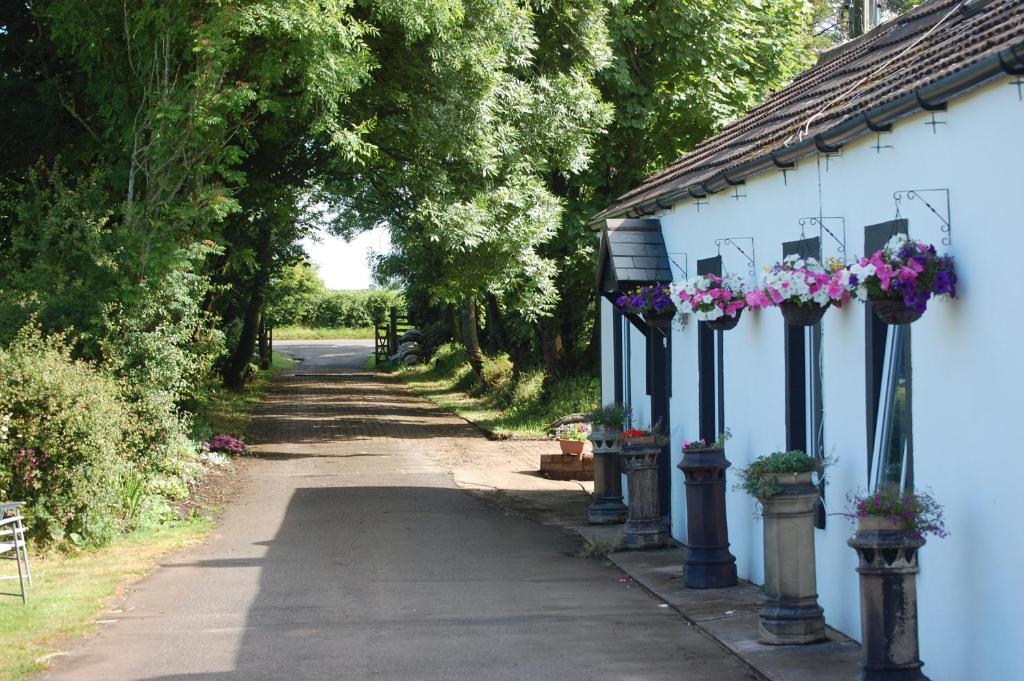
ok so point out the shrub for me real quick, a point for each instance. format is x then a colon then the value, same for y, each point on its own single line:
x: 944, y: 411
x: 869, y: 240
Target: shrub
x: 64, y: 449
x: 496, y: 374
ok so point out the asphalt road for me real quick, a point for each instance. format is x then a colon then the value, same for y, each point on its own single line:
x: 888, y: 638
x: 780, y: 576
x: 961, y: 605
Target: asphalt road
x: 349, y: 555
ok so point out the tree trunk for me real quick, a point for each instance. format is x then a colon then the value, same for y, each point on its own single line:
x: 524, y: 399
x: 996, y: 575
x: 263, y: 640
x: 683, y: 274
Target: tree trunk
x: 551, y: 345
x: 471, y: 336
x: 234, y: 375
x: 455, y: 323
x: 495, y: 327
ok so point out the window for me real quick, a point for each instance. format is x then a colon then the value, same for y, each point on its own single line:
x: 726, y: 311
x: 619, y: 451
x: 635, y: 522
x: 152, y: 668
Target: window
x: 711, y: 400
x: 805, y: 411
x: 889, y: 398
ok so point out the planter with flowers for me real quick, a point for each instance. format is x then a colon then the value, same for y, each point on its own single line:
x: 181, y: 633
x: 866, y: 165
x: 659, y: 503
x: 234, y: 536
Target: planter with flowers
x: 639, y: 456
x: 719, y: 301
x: 900, y: 279
x: 891, y: 528
x: 708, y: 564
x: 802, y: 289
x: 781, y: 482
x: 571, y: 437
x: 606, y: 424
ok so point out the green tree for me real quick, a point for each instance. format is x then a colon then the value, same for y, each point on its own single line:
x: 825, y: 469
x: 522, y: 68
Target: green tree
x: 469, y: 118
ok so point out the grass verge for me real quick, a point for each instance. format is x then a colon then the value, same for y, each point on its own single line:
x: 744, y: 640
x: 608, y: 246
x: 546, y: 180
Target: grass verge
x: 71, y: 591
x: 506, y: 405
x: 305, y: 333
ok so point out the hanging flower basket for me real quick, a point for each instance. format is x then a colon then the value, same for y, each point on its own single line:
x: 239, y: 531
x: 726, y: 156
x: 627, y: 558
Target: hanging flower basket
x: 653, y: 302
x: 796, y: 314
x: 802, y: 288
x: 725, y: 323
x: 713, y: 299
x: 891, y: 311
x: 900, y: 279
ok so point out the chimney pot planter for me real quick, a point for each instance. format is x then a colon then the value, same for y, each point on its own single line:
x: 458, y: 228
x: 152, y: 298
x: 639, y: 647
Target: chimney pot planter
x: 606, y: 507
x: 888, y: 569
x: 644, y: 526
x: 708, y: 564
x: 791, y: 614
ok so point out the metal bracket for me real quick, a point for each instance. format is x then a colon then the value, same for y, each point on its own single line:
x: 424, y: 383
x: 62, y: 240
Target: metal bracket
x: 834, y: 226
x: 915, y: 194
x: 684, y: 269
x: 732, y: 242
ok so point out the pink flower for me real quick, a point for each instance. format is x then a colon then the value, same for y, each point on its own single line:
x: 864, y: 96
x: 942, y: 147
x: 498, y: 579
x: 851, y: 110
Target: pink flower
x: 757, y: 299
x: 734, y: 307
x: 775, y: 295
x: 907, y: 275
x: 884, y: 274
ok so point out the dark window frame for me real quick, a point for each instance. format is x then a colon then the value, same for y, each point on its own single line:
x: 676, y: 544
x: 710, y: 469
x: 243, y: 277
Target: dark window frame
x: 876, y: 337
x: 710, y: 368
x: 805, y: 410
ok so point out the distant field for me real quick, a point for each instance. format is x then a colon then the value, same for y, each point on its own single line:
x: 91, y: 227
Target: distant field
x: 306, y: 333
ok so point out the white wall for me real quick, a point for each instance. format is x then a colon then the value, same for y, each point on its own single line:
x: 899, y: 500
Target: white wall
x: 967, y: 372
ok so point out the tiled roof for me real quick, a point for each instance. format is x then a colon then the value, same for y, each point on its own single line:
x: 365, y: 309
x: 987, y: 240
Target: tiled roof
x: 922, y: 58
x: 632, y: 253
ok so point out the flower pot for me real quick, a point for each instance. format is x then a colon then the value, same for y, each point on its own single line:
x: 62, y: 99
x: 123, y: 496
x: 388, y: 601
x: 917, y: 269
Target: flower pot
x: 606, y: 507
x: 791, y: 614
x: 571, y: 447
x: 708, y: 564
x: 802, y: 315
x: 725, y: 322
x: 891, y: 311
x: 644, y: 527
x: 888, y: 568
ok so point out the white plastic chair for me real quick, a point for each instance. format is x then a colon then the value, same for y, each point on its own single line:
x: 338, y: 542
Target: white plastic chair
x: 12, y: 538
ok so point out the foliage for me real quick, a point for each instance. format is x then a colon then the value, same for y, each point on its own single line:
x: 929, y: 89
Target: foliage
x: 612, y: 415
x: 299, y: 298
x: 64, y: 453
x: 918, y: 513
x: 759, y: 478
x: 497, y: 376
x: 325, y: 333
x: 533, y: 401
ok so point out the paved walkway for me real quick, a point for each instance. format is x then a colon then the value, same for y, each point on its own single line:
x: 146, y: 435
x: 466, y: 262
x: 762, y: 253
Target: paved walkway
x: 351, y: 554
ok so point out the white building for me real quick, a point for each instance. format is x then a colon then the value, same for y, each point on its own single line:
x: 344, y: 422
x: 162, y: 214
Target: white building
x: 917, y: 126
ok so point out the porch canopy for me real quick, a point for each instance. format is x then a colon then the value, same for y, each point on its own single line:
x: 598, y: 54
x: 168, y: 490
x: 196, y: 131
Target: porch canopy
x: 632, y: 253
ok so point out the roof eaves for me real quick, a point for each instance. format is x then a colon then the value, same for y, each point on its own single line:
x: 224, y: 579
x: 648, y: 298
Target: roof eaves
x: 1009, y: 60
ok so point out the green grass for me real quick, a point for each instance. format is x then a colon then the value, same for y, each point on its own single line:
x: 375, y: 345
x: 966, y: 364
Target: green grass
x: 305, y: 333
x: 520, y: 408
x: 70, y: 592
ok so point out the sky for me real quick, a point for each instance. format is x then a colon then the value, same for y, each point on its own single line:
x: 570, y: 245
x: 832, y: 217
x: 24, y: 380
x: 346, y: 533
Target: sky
x: 344, y: 265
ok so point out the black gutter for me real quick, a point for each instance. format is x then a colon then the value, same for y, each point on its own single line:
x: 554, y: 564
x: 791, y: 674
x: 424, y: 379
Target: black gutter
x: 1009, y: 60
